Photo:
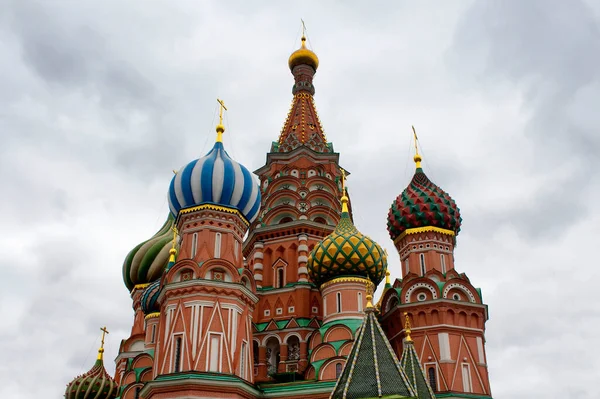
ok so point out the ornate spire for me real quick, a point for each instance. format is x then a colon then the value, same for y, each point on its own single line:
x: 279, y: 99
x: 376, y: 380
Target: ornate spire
x: 344, y: 198
x: 417, y: 157
x: 369, y: 297
x: 101, y: 350
x: 173, y: 250
x: 407, y: 331
x: 220, y: 128
x: 302, y: 125
x: 412, y: 366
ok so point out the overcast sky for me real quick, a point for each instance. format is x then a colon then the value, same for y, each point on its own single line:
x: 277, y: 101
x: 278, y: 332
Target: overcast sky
x: 101, y: 100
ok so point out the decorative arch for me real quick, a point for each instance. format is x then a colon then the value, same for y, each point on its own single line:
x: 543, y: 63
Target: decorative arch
x: 293, y: 334
x: 323, y: 351
x: 328, y: 369
x: 450, y: 285
x: 267, y: 337
x: 177, y: 272
x: 143, y: 360
x: 337, y: 332
x: 232, y: 273
x: 417, y: 285
x: 345, y: 348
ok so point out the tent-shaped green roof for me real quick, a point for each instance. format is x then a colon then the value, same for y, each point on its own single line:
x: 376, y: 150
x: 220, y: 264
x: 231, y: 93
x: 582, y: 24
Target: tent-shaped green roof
x: 372, y: 369
x: 412, y: 367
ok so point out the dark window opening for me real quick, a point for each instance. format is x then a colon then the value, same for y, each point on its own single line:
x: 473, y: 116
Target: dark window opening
x: 432, y: 379
x: 178, y: 354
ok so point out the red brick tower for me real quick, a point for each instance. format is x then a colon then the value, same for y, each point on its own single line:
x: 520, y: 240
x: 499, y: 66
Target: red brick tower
x: 300, y: 186
x: 445, y: 309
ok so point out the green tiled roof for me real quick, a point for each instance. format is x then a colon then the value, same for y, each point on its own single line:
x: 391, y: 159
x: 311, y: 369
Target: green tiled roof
x: 372, y: 369
x: 302, y: 322
x: 352, y: 324
x: 412, y: 367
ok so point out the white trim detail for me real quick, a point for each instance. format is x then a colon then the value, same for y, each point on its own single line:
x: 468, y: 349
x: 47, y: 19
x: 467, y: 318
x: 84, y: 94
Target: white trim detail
x: 420, y: 285
x: 460, y: 287
x: 444, y: 341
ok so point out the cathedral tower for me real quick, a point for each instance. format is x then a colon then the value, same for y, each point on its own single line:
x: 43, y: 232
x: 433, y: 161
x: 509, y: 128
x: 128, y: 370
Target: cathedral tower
x: 206, y: 297
x: 300, y: 186
x: 447, y: 312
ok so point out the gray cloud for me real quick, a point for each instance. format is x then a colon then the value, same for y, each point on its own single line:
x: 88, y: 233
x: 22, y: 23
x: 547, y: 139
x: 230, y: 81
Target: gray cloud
x: 102, y: 100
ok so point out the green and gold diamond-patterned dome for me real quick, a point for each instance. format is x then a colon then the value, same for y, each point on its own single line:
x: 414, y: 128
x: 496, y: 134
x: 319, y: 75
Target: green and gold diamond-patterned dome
x: 346, y: 252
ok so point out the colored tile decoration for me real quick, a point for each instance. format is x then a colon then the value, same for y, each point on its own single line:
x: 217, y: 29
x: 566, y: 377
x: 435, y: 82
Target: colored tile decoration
x: 95, y: 384
x: 372, y: 369
x: 422, y: 204
x: 346, y: 252
x: 416, y: 376
x: 147, y: 261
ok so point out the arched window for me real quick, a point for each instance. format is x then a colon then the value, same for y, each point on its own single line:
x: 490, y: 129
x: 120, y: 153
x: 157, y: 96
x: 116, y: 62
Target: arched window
x: 360, y: 302
x: 320, y: 220
x: 286, y: 219
x: 177, y: 358
x: 432, y: 378
x: 194, y: 244
x: 153, y: 334
x: 339, y: 302
x: 218, y: 245
x: 280, y: 278
x: 255, y: 352
x: 422, y: 259
x: 406, y: 268
x: 443, y: 263
x: 338, y: 370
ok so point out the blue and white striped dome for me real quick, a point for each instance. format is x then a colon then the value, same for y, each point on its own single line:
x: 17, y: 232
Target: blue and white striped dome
x: 215, y: 179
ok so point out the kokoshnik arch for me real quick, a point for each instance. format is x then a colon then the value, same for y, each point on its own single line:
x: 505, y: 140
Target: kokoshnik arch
x: 262, y: 288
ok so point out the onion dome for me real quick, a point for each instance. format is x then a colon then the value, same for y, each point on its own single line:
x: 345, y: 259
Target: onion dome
x: 346, y: 252
x: 303, y: 56
x: 217, y: 180
x: 149, y: 300
x: 423, y: 204
x: 95, y: 384
x: 147, y: 261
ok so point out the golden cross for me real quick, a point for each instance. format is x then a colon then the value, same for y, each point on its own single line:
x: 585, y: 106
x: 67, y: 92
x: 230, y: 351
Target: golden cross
x: 104, y: 332
x: 415, y: 134
x: 223, y: 107
x: 303, y: 28
x: 343, y: 181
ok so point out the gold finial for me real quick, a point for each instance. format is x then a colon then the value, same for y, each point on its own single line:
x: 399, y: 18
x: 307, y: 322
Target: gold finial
x: 369, y: 297
x: 173, y: 251
x: 344, y: 196
x: 220, y: 127
x: 407, y: 327
x: 101, y: 350
x: 303, y: 33
x: 387, y: 277
x: 417, y: 157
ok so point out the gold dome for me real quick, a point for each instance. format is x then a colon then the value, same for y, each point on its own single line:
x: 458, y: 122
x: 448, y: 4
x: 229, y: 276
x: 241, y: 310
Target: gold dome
x: 303, y: 56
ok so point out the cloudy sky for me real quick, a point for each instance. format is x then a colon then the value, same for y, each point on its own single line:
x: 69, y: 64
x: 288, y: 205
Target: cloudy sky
x: 100, y: 100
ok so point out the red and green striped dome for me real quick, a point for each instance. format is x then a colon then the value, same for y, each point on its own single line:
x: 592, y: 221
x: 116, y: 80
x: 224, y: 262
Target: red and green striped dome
x: 423, y: 204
